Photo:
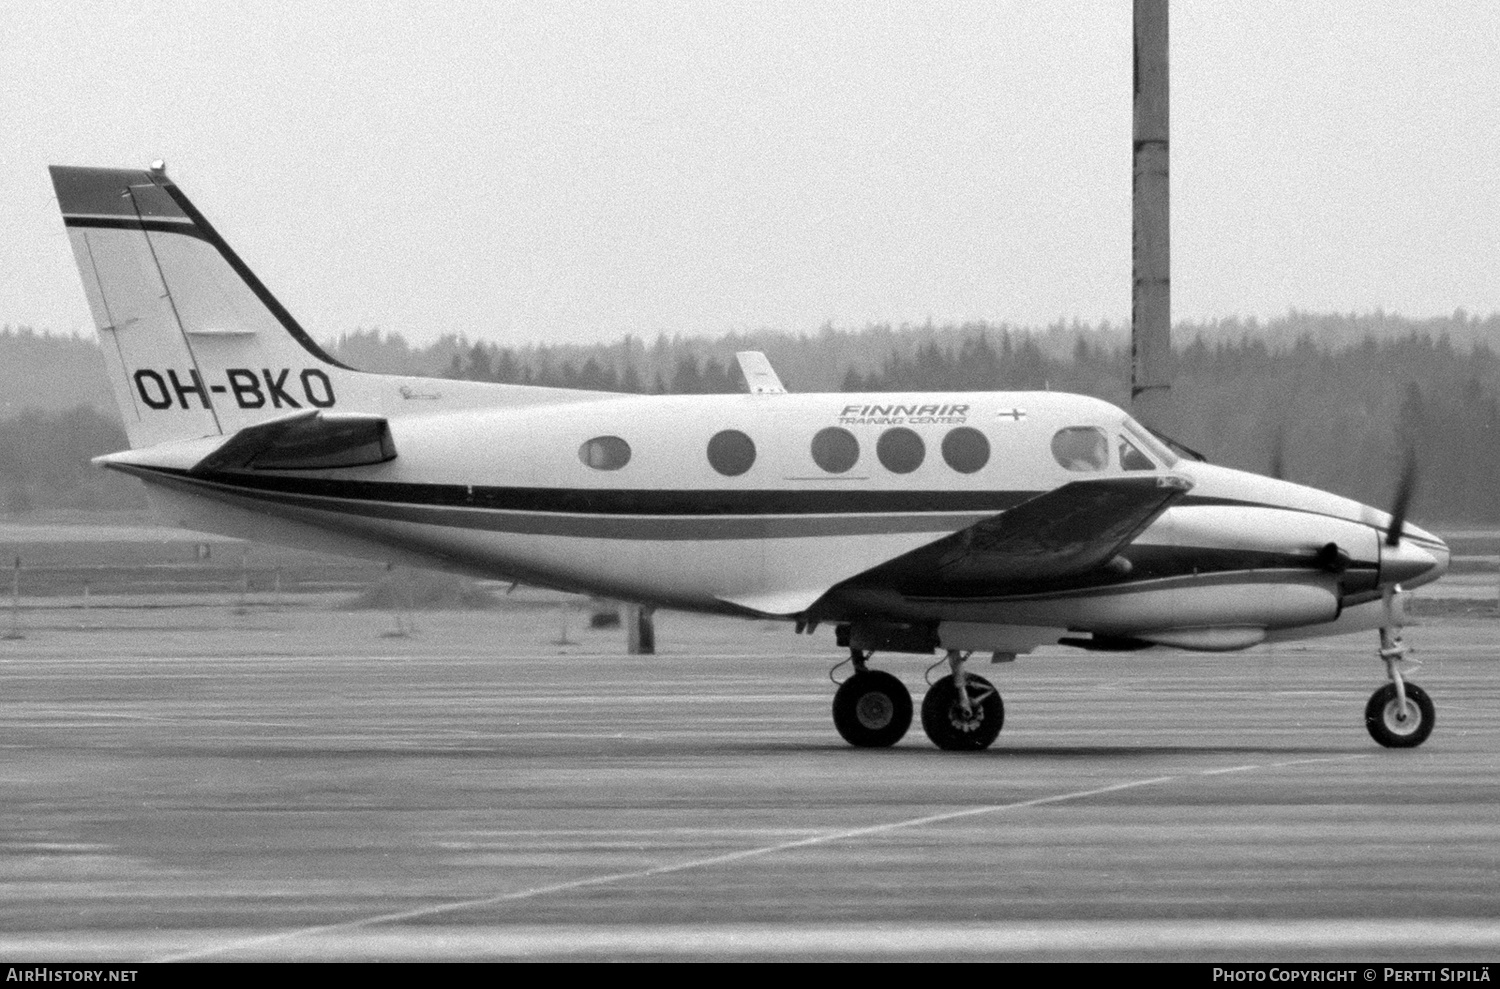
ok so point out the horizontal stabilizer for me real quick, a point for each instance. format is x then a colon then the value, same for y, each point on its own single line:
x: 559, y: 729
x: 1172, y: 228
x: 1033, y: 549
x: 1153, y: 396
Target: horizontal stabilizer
x: 1056, y: 536
x: 309, y: 440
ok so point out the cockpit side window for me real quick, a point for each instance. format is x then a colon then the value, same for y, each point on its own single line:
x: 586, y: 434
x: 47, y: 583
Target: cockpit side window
x: 1081, y: 448
x: 1131, y: 458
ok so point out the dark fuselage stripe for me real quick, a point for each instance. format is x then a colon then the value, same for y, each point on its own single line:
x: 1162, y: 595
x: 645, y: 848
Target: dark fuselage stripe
x: 1196, y: 578
x: 1156, y: 566
x: 585, y: 526
x: 1153, y: 564
x: 621, y: 501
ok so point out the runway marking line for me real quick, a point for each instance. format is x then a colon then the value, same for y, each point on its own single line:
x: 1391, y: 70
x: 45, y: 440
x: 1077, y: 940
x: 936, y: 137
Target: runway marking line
x: 177, y: 720
x: 713, y: 860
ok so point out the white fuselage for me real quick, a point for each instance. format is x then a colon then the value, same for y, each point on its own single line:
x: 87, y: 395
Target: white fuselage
x: 915, y: 518
x: 507, y: 492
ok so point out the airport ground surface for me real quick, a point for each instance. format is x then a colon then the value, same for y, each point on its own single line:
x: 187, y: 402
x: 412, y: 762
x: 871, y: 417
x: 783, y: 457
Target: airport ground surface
x: 222, y: 783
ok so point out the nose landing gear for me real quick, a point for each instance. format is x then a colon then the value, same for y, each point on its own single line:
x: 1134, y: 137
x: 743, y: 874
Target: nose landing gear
x: 1399, y: 723
x: 1399, y: 715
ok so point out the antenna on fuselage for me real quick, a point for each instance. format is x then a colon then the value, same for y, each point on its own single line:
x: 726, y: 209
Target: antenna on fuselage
x: 1151, y: 292
x: 760, y: 377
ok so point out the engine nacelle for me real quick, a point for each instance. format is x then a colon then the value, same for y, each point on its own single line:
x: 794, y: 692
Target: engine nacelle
x: 1265, y: 601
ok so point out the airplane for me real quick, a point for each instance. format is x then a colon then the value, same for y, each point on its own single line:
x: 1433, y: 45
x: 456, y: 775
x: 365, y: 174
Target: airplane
x: 916, y: 523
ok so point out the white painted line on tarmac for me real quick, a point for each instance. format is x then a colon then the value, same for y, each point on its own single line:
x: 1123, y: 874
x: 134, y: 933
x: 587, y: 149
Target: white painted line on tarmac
x: 701, y: 863
x: 186, y: 719
x: 1308, y: 762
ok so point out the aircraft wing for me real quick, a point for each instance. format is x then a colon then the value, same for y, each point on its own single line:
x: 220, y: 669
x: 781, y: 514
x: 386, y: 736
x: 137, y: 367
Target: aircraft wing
x: 1062, y: 534
x: 304, y: 441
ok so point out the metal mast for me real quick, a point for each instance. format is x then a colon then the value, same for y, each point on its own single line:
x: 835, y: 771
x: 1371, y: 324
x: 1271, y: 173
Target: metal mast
x: 1151, y: 295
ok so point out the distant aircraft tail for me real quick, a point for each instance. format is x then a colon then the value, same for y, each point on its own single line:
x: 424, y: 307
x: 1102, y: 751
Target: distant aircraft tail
x: 194, y: 343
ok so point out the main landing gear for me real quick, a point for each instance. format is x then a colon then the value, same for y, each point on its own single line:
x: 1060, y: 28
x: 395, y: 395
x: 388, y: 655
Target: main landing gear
x: 1400, y: 715
x: 872, y: 709
x: 961, y: 712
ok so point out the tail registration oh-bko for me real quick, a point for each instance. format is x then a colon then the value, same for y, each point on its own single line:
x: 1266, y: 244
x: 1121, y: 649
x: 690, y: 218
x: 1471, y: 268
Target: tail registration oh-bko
x: 990, y: 522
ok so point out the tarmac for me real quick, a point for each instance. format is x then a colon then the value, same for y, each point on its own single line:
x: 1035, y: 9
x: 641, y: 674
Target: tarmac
x: 285, y: 782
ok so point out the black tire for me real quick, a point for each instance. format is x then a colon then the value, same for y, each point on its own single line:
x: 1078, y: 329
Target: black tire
x: 949, y: 728
x: 1381, y: 717
x: 872, y: 710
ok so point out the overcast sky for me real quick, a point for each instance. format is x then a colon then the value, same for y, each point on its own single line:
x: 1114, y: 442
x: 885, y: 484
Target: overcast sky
x: 575, y: 171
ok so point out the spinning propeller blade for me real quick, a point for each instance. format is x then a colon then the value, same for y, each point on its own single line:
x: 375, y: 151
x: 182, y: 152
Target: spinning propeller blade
x: 1404, y: 492
x: 1278, y: 455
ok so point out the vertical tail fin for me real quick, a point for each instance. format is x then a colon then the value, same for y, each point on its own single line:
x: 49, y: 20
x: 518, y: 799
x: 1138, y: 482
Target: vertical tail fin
x: 194, y: 343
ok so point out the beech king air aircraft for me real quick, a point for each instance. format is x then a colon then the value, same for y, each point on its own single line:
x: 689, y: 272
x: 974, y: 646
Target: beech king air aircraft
x: 911, y: 523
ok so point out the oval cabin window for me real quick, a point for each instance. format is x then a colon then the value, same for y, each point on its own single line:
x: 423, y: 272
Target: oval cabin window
x: 900, y: 450
x: 835, y: 450
x: 605, y: 453
x: 966, y: 449
x: 731, y: 452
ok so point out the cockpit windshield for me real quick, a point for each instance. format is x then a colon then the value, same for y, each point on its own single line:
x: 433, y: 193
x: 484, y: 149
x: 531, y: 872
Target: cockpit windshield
x: 1131, y: 458
x: 1087, y: 449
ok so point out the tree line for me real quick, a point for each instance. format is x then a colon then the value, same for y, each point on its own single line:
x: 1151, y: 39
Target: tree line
x: 44, y: 461
x: 1336, y: 409
x: 1340, y: 418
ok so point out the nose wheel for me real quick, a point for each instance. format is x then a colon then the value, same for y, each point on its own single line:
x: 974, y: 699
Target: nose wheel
x: 1399, y: 715
x: 1397, y: 723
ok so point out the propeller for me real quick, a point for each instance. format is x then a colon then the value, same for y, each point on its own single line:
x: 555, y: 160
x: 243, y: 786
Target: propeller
x: 1278, y: 454
x: 1405, y: 490
x: 1333, y: 558
x: 1401, y: 561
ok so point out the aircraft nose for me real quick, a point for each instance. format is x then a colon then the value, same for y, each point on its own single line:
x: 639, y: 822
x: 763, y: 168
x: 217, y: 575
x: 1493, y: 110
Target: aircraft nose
x: 1419, y: 558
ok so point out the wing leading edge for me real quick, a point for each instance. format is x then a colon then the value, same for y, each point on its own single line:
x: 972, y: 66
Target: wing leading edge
x: 1058, y: 536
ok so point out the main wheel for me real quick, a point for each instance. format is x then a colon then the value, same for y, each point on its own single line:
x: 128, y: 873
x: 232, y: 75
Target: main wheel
x: 872, y: 709
x: 1395, y: 728
x: 949, y: 727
